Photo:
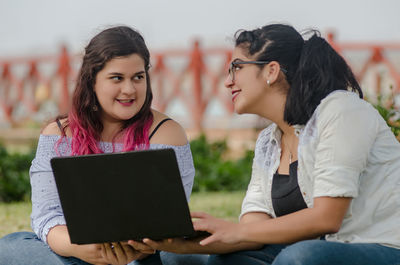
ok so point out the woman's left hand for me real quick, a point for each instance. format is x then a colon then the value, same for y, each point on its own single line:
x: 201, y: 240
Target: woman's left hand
x: 175, y: 245
x: 120, y: 253
x: 222, y: 231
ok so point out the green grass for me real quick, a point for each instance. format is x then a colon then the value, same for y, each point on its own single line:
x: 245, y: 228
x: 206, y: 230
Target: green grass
x: 225, y: 205
x: 15, y: 216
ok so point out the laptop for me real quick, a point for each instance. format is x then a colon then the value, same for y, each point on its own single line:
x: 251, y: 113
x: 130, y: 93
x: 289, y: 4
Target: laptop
x: 121, y: 196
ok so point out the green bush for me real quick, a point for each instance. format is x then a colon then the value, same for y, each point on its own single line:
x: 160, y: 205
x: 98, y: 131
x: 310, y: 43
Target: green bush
x: 213, y: 173
x: 390, y: 114
x: 14, y: 175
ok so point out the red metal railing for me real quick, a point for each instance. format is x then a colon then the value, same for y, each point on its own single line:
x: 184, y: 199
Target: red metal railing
x: 376, y: 56
x: 26, y: 87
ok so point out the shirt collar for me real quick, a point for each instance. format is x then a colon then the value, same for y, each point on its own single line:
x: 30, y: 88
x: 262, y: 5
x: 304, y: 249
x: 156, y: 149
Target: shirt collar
x: 276, y: 133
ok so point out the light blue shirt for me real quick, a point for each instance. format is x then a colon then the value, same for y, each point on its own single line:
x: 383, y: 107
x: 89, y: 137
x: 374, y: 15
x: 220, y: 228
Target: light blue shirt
x: 46, y: 207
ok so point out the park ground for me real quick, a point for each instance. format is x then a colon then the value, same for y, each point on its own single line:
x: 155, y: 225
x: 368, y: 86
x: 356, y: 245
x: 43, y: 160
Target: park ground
x: 15, y: 216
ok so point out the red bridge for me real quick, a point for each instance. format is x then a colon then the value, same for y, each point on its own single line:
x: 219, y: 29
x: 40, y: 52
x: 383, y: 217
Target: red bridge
x: 188, y: 82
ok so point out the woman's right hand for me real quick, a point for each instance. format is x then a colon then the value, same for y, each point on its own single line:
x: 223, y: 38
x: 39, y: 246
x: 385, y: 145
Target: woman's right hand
x: 59, y: 241
x: 120, y: 253
x: 91, y: 253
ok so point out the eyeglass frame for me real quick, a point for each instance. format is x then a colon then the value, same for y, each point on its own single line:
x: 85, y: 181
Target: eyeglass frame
x: 232, y: 64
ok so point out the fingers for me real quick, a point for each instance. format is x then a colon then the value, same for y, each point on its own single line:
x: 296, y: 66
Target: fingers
x: 143, y: 248
x: 208, y: 240
x: 201, y: 226
x: 152, y: 244
x: 130, y: 252
x: 169, y: 244
x: 114, y: 252
x: 118, y: 250
x: 204, y: 222
x: 199, y: 215
x: 108, y: 251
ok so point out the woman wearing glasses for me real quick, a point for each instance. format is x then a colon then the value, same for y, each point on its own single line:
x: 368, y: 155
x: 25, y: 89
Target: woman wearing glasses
x: 325, y: 186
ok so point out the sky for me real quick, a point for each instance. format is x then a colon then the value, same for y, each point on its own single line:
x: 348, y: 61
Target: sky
x: 39, y: 27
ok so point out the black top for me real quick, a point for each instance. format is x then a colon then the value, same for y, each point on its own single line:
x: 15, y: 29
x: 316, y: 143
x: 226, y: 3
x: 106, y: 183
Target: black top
x: 286, y: 194
x: 158, y: 126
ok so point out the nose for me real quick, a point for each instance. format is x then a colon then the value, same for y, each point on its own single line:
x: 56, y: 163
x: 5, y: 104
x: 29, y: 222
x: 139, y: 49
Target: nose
x: 228, y: 83
x: 128, y: 87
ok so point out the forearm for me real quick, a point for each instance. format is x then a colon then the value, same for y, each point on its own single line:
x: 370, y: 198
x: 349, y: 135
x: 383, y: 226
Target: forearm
x: 324, y: 218
x: 59, y: 241
x: 193, y: 246
x: 219, y: 248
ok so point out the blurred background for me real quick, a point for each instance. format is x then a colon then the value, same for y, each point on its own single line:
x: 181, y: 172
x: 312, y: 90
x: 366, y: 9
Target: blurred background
x: 190, y: 42
x: 41, y: 44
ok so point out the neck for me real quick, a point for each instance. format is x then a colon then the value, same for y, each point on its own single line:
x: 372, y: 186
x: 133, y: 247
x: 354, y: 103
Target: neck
x: 286, y: 129
x: 110, y: 130
x: 275, y: 103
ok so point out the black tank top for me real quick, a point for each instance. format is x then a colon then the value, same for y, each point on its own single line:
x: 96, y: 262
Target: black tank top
x: 158, y: 126
x: 285, y: 193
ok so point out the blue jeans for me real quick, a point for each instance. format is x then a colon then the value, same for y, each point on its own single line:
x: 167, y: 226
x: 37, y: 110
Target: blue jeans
x: 167, y: 258
x: 312, y: 252
x: 26, y: 248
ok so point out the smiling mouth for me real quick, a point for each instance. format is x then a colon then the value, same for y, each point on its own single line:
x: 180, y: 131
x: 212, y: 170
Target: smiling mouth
x: 235, y: 93
x: 126, y: 102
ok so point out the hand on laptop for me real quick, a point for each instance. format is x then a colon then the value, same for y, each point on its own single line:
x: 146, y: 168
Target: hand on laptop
x: 120, y: 253
x: 90, y: 253
x: 220, y: 230
x: 175, y: 245
x: 139, y: 246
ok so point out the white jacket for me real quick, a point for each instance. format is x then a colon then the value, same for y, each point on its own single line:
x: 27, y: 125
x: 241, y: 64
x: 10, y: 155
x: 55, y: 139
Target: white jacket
x: 346, y: 149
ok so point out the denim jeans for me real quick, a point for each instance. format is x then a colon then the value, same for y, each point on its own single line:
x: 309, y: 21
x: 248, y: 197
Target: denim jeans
x: 26, y: 248
x: 166, y: 258
x: 313, y: 252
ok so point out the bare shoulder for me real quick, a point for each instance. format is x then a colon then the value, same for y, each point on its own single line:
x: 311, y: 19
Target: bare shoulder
x: 169, y: 133
x: 52, y: 128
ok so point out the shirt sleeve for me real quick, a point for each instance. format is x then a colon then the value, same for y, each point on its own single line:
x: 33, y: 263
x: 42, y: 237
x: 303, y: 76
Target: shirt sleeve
x: 256, y: 197
x: 347, y: 130
x: 46, y: 206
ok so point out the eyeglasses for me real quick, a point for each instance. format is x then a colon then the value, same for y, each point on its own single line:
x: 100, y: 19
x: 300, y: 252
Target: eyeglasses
x: 232, y: 69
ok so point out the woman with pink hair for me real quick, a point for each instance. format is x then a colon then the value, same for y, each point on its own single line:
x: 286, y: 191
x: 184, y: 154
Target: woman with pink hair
x: 111, y: 112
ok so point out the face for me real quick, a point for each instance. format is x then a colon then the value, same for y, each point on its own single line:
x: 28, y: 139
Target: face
x: 248, y: 86
x: 121, y: 88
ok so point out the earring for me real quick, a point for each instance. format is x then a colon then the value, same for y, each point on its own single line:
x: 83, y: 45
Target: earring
x: 95, y: 108
x: 268, y: 83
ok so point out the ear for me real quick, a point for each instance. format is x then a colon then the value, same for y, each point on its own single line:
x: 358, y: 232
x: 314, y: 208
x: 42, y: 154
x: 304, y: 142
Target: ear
x: 271, y: 72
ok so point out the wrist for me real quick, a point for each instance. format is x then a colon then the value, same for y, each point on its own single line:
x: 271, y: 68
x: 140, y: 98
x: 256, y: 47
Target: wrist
x: 67, y: 250
x: 190, y: 246
x: 242, y: 232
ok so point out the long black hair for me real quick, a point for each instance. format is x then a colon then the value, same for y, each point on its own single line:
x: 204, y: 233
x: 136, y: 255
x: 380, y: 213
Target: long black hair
x: 313, y: 68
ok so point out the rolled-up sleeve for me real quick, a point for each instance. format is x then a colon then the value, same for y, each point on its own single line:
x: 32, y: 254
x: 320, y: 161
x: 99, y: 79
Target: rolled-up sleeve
x: 346, y: 136
x: 255, y: 199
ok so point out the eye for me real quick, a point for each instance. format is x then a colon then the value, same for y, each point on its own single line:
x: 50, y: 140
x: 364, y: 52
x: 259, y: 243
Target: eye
x: 234, y: 68
x: 116, y: 78
x: 139, y: 77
